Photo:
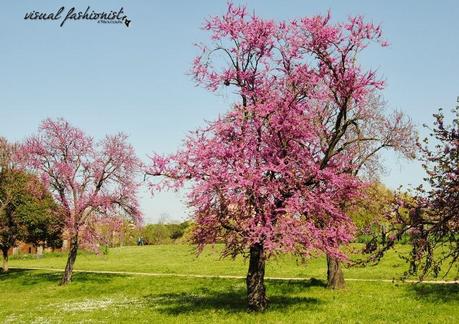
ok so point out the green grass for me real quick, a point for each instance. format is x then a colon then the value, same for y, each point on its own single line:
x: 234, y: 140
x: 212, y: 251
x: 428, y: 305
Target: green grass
x: 33, y: 296
x: 182, y: 259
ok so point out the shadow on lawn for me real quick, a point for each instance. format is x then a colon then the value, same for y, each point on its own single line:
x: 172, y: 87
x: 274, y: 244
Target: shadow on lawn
x: 32, y: 277
x: 29, y: 277
x: 234, y: 300
x: 97, y: 278
x: 436, y: 292
x: 294, y: 286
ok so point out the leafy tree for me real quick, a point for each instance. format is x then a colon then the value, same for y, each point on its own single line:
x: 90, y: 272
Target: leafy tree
x: 27, y: 210
x: 90, y: 181
x: 163, y: 233
x: 430, y: 214
x: 40, y: 215
x: 270, y: 175
x: 178, y: 230
x: 156, y: 234
x: 368, y: 212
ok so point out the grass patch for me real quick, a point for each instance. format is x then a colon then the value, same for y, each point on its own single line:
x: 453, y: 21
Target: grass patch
x: 182, y: 259
x: 34, y: 297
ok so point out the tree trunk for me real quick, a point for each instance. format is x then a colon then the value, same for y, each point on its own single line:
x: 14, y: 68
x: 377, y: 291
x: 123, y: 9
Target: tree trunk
x: 5, y: 260
x: 256, y: 290
x: 335, y: 277
x: 70, y: 261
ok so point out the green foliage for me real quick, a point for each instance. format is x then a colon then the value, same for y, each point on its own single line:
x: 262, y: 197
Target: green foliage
x: 44, y: 223
x: 128, y: 234
x: 105, y: 249
x: 154, y: 234
x: 370, y: 209
x: 157, y: 234
x: 28, y: 211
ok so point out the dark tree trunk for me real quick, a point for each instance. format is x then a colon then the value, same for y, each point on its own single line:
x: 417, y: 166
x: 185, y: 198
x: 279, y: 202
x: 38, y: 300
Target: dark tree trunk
x: 70, y: 261
x: 256, y: 290
x: 335, y: 277
x: 5, y: 260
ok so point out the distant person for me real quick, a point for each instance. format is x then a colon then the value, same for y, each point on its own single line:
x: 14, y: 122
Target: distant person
x: 140, y: 241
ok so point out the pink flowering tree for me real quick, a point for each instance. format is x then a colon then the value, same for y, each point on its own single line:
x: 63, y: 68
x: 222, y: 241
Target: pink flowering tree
x: 270, y: 175
x: 92, y: 182
x: 428, y: 214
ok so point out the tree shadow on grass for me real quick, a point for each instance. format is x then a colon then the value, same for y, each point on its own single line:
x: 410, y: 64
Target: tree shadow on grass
x: 28, y: 277
x: 234, y: 300
x: 435, y: 292
x: 295, y: 286
x: 97, y: 278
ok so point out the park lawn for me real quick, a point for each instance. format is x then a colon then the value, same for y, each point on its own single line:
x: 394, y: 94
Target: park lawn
x: 33, y: 296
x: 182, y: 259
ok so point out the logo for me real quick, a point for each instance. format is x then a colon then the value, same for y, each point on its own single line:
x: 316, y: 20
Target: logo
x: 72, y: 14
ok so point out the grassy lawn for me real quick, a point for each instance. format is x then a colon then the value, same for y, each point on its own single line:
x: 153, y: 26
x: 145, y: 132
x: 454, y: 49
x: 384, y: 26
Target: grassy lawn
x: 34, y: 296
x: 182, y: 259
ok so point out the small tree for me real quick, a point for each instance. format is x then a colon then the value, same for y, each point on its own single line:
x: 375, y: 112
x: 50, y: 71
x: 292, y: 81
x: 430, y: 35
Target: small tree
x: 429, y: 214
x: 90, y: 181
x: 271, y: 174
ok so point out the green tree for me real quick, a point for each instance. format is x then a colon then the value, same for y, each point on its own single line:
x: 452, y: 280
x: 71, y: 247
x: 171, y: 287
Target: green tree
x: 368, y: 213
x: 27, y: 210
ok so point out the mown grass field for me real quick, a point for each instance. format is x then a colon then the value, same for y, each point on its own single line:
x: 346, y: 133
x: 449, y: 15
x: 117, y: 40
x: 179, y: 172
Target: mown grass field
x: 34, y: 295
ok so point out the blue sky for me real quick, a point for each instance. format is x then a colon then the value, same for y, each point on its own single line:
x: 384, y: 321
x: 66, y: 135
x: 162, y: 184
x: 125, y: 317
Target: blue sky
x: 109, y: 78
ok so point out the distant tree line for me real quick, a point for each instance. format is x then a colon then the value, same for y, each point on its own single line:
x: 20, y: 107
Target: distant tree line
x: 151, y: 234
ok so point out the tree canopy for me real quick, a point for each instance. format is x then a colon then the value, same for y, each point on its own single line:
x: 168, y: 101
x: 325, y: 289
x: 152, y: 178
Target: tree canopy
x: 28, y: 212
x: 270, y: 175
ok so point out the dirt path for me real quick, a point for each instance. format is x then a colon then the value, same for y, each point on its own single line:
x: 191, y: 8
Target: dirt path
x: 229, y: 276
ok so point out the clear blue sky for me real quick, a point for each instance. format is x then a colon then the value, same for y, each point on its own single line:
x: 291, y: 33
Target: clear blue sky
x: 109, y: 78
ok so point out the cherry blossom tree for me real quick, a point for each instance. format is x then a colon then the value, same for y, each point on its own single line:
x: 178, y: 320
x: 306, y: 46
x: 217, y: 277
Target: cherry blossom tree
x: 90, y: 181
x: 270, y: 175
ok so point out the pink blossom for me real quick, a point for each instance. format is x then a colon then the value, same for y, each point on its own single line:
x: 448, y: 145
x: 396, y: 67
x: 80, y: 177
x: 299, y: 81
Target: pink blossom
x: 277, y: 167
x: 93, y: 182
